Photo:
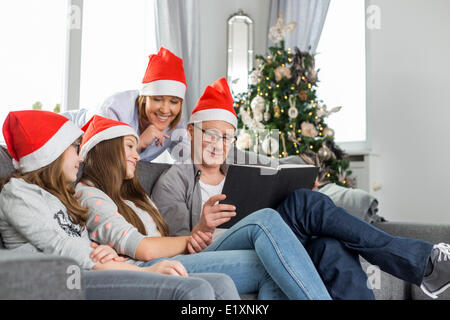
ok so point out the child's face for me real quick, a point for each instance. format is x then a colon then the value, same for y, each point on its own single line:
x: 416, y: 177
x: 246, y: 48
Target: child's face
x: 71, y: 162
x: 162, y: 110
x: 131, y: 155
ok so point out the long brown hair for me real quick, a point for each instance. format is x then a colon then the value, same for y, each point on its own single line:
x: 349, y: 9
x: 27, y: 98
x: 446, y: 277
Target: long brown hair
x: 105, y: 168
x: 141, y: 103
x: 51, y: 179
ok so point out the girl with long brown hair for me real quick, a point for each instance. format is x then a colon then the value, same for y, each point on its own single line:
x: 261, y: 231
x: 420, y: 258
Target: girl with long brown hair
x: 40, y: 212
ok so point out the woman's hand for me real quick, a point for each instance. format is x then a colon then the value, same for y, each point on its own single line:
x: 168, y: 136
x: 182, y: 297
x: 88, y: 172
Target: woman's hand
x: 149, y: 135
x: 103, y: 254
x: 170, y: 267
x: 198, y: 241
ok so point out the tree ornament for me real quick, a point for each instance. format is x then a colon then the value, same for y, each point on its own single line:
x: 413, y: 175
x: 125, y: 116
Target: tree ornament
x: 277, y: 111
x: 322, y: 111
x: 267, y: 116
x: 258, y: 104
x: 328, y: 132
x: 258, y: 115
x: 245, y: 117
x: 270, y: 146
x: 309, y: 130
x: 282, y: 72
x: 279, y: 31
x: 302, y: 95
x: 324, y: 153
x: 255, y: 77
x: 292, y: 112
x: 244, y: 141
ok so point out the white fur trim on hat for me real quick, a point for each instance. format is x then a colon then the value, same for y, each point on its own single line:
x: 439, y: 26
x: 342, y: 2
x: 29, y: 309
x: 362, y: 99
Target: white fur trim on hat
x: 164, y: 88
x: 214, y: 114
x: 52, y: 149
x: 107, y: 134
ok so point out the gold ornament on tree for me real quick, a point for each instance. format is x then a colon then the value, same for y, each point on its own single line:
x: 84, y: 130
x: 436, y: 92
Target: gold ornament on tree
x: 302, y: 95
x: 328, y: 132
x: 282, y: 72
x: 309, y: 130
x: 324, y: 153
x: 270, y: 146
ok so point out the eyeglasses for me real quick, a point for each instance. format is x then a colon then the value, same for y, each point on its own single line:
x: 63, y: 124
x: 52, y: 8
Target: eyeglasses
x: 77, y: 146
x: 213, y: 135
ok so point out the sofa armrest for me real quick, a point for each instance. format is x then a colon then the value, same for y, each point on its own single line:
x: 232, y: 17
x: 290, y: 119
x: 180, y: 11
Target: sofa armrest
x: 433, y: 233
x: 38, y: 276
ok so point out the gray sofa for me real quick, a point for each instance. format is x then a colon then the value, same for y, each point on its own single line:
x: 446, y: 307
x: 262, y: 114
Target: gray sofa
x: 40, y: 276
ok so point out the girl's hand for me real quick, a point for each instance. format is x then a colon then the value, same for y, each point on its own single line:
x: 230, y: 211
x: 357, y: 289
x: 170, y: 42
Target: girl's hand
x: 149, y: 135
x: 170, y: 267
x: 103, y: 254
x: 198, y: 241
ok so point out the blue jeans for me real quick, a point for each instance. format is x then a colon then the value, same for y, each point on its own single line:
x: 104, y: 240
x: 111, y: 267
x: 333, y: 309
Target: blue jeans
x: 132, y: 285
x: 261, y: 254
x: 334, y: 238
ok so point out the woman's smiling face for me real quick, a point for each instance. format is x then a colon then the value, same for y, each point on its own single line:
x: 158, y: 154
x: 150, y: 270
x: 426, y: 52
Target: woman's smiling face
x: 162, y: 110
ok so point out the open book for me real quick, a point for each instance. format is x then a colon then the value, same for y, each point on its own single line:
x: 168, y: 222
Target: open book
x: 251, y: 188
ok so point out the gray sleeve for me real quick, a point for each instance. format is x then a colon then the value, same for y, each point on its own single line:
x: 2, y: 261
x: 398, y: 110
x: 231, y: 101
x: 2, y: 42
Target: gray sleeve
x: 169, y: 196
x: 28, y: 218
x: 106, y: 225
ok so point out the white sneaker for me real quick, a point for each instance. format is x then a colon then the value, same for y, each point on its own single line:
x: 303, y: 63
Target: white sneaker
x: 439, y: 279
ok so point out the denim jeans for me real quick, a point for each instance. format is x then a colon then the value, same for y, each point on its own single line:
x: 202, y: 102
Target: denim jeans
x: 261, y: 254
x: 334, y: 238
x: 133, y: 285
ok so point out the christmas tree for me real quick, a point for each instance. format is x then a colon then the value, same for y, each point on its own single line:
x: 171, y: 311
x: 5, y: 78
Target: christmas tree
x: 282, y: 97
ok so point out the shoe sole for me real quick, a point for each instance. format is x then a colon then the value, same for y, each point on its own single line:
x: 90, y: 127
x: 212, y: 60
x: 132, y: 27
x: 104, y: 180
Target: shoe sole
x: 434, y: 294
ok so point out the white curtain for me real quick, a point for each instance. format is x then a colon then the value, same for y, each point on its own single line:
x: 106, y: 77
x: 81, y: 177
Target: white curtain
x: 178, y: 29
x: 310, y: 16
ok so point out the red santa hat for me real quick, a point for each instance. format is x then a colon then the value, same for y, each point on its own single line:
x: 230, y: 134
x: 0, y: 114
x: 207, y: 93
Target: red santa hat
x: 164, y: 76
x: 216, y: 103
x: 36, y: 138
x: 99, y: 129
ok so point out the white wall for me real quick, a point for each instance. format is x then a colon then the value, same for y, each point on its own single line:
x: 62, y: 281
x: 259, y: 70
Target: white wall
x: 214, y: 15
x: 408, y: 95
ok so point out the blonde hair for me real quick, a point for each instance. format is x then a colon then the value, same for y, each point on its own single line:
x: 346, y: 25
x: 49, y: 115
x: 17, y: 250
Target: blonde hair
x: 141, y: 103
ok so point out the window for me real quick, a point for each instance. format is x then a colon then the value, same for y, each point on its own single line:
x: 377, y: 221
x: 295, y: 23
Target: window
x: 32, y: 37
x: 118, y: 36
x: 341, y: 59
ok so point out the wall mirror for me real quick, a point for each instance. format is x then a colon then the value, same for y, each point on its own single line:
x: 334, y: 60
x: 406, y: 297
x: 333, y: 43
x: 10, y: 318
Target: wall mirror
x: 240, y: 51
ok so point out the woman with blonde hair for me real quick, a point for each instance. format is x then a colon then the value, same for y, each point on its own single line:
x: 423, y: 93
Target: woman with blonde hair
x: 154, y: 111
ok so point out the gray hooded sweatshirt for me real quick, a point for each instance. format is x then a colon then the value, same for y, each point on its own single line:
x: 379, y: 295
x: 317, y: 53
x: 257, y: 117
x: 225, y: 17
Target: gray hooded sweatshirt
x: 34, y: 220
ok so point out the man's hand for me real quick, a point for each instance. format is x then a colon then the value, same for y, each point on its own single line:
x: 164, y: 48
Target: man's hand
x: 199, y: 241
x: 213, y: 215
x: 149, y: 135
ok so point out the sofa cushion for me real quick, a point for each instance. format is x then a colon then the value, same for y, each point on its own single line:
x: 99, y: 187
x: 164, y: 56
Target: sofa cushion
x: 149, y: 172
x: 38, y: 276
x: 6, y: 166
